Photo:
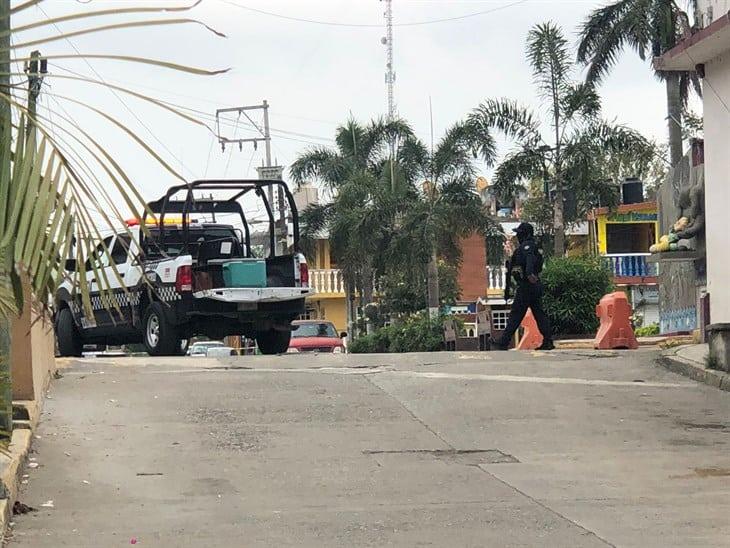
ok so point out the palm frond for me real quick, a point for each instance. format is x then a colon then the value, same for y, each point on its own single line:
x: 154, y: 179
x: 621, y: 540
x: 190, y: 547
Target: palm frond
x: 131, y: 59
x: 48, y: 191
x: 580, y: 99
x: 453, y: 154
x: 547, y: 52
x: 114, y: 26
x: 98, y: 13
x: 319, y: 164
x: 508, y: 117
x: 607, y: 30
x: 515, y: 169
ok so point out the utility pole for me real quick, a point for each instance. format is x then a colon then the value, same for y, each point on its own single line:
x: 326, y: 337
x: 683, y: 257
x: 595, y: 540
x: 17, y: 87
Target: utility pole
x: 37, y: 68
x: 267, y: 137
x: 267, y: 171
x: 6, y: 389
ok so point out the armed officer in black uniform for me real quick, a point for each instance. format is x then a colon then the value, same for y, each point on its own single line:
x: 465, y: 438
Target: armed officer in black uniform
x: 524, y: 268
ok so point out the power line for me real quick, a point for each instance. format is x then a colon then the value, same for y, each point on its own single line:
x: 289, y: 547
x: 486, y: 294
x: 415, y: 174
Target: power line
x: 210, y: 117
x: 210, y: 151
x: 368, y: 25
x: 119, y: 98
x: 230, y: 152
x: 194, y: 97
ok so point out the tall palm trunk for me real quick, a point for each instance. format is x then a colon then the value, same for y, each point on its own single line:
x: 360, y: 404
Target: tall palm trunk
x: 674, y: 117
x: 432, y: 283
x: 367, y: 294
x: 6, y: 393
x: 559, y: 221
x: 350, y: 303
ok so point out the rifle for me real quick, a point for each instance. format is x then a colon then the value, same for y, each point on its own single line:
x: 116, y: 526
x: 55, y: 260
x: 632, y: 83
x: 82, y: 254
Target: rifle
x: 508, y: 281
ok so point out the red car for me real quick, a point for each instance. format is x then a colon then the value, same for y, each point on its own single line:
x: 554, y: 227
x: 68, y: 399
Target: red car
x: 315, y: 336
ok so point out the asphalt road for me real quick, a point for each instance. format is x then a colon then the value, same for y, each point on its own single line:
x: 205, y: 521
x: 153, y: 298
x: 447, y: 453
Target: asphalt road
x: 452, y: 450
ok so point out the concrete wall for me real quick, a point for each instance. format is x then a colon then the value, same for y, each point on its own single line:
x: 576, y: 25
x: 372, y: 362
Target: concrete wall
x: 473, y: 272
x: 32, y: 355
x: 717, y: 185
x: 331, y: 309
x: 717, y: 8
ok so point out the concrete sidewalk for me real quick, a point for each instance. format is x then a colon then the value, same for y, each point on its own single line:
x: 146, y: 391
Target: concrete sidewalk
x: 691, y: 361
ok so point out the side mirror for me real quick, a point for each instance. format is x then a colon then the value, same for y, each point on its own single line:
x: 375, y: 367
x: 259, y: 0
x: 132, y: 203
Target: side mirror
x: 343, y: 335
x: 70, y: 265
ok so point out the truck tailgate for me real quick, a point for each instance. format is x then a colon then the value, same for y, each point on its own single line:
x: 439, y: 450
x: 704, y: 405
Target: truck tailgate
x: 254, y: 294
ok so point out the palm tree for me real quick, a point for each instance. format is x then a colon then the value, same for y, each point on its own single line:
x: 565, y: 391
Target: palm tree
x: 55, y: 176
x: 445, y: 206
x: 651, y: 28
x: 564, y: 160
x: 357, y: 173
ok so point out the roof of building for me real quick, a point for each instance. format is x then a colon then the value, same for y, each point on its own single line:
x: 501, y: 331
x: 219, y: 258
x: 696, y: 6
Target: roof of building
x: 650, y: 206
x: 702, y: 46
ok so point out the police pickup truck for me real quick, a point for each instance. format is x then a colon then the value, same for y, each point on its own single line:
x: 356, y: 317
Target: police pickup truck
x: 186, y: 276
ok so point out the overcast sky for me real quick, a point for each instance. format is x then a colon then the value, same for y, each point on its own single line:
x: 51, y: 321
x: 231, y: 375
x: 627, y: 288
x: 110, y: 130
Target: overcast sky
x: 314, y: 75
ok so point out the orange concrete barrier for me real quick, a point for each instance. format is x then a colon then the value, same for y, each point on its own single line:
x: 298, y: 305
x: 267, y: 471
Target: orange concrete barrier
x: 615, y: 332
x: 531, y: 338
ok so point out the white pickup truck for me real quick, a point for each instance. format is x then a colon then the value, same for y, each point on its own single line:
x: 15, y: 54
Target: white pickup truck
x: 183, y: 278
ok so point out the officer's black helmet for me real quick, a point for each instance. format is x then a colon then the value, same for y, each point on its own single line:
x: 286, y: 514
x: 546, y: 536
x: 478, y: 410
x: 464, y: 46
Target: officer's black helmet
x: 524, y: 230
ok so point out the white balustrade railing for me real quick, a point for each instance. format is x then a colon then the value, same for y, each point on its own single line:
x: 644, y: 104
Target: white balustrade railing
x: 326, y: 281
x: 496, y: 277
x: 630, y: 265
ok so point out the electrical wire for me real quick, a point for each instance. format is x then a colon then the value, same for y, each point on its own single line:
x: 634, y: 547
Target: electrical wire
x: 370, y: 25
x: 207, y: 162
x: 119, y: 98
x: 211, y: 117
x: 230, y: 152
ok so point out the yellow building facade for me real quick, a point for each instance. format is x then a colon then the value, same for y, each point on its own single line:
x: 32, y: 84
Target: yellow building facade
x: 630, y: 228
x: 329, y: 301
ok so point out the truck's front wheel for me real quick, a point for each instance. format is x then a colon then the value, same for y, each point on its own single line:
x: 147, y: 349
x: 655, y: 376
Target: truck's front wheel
x: 273, y: 341
x: 67, y: 336
x: 160, y: 337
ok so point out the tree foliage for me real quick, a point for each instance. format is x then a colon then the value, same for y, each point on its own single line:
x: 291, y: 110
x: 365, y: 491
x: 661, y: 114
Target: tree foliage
x: 390, y: 216
x: 573, y: 288
x: 568, y: 161
x: 650, y: 28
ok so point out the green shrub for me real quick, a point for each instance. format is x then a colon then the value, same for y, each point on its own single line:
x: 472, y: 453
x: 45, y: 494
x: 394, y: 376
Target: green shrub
x: 573, y: 288
x: 648, y: 330
x: 416, y: 334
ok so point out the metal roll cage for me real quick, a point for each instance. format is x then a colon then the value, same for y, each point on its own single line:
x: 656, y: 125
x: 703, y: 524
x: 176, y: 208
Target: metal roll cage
x: 189, y: 205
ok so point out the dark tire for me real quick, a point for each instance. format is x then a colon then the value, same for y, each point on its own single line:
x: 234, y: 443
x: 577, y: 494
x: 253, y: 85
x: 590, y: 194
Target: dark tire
x: 159, y: 335
x: 273, y: 342
x: 67, y: 336
x: 182, y: 347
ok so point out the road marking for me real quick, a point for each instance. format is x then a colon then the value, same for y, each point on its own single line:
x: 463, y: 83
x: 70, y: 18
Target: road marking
x: 387, y: 370
x: 538, y: 380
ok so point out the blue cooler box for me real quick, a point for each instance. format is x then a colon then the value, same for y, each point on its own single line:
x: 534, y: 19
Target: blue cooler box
x: 245, y: 273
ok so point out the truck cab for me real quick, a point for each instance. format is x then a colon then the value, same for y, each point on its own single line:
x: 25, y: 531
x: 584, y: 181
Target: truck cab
x: 173, y: 275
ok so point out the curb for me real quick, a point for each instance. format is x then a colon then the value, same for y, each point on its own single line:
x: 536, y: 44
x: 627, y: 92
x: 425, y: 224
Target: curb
x: 12, y: 467
x: 695, y: 371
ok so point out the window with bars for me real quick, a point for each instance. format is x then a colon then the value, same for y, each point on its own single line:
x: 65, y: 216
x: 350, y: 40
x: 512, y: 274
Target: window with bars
x: 499, y: 319
x: 309, y: 314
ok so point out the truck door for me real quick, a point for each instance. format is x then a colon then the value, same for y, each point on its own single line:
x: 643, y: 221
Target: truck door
x: 97, y: 263
x: 107, y: 289
x: 121, y: 252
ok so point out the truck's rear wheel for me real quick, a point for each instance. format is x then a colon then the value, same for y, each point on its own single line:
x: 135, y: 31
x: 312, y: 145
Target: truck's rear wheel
x: 273, y: 342
x: 67, y: 336
x: 160, y: 337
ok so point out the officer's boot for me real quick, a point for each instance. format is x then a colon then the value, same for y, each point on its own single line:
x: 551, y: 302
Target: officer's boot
x: 547, y: 344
